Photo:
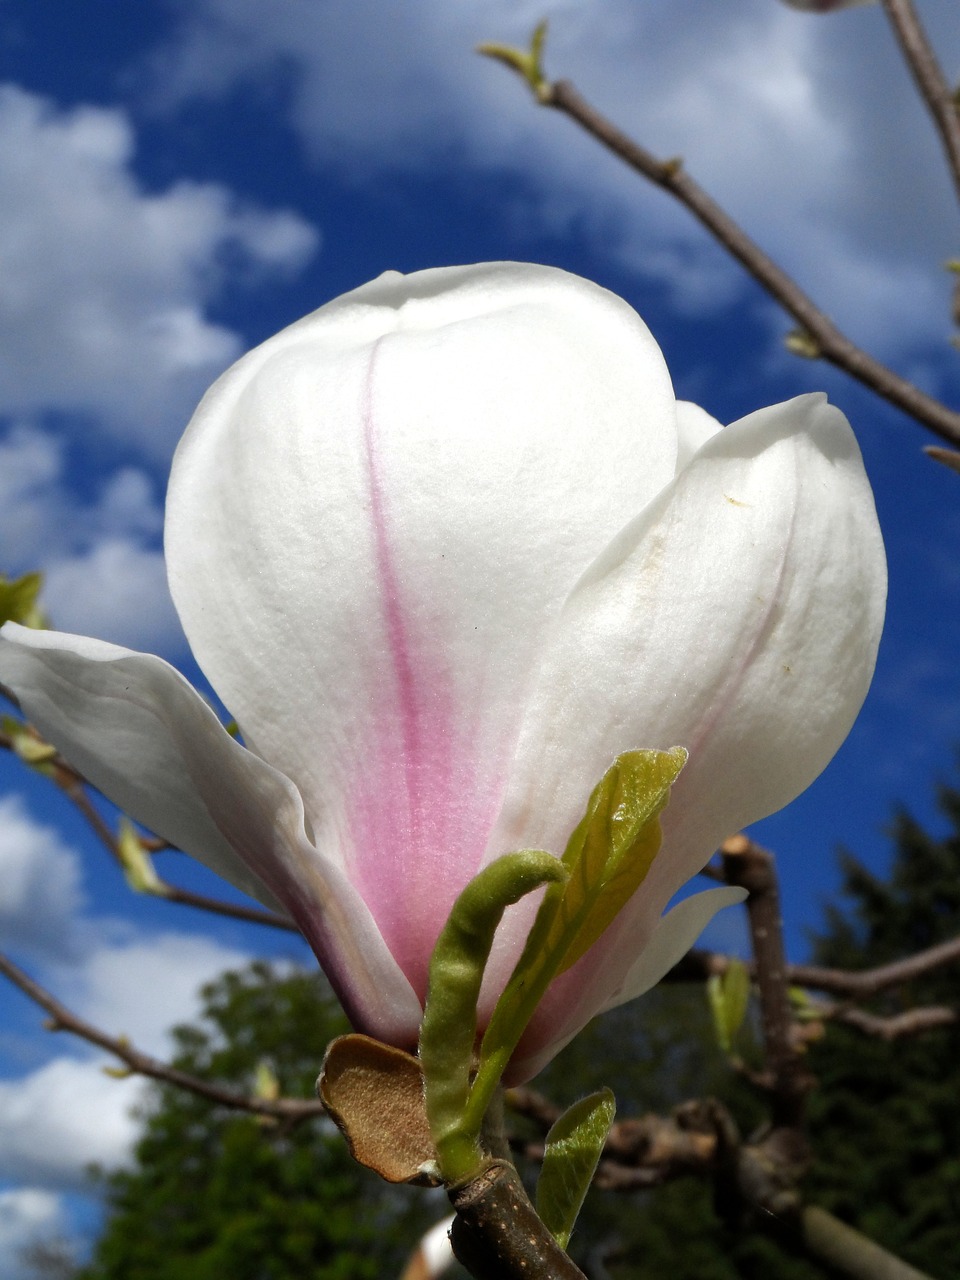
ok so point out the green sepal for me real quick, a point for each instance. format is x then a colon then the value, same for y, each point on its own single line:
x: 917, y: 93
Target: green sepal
x: 571, y: 1154
x: 607, y: 858
x: 729, y: 997
x: 18, y: 600
x: 449, y: 1029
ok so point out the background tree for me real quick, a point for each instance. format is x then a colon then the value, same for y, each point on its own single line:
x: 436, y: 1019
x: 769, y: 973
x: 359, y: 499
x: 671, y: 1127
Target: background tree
x: 883, y: 1120
x: 215, y: 1193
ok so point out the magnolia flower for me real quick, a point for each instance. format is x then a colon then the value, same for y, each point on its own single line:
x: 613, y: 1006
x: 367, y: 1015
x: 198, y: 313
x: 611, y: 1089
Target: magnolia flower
x: 445, y: 548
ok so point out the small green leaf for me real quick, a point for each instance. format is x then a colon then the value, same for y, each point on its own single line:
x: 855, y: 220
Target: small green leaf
x: 607, y: 859
x: 526, y: 62
x: 570, y: 1158
x: 28, y: 745
x: 729, y: 996
x: 118, y: 1073
x: 449, y: 1028
x: 611, y: 851
x: 18, y: 600
x: 136, y: 862
x: 265, y: 1082
x: 802, y: 343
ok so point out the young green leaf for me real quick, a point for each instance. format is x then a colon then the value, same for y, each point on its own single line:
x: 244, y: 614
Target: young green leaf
x: 570, y: 1158
x: 606, y: 858
x: 18, y: 600
x: 729, y: 996
x: 136, y: 862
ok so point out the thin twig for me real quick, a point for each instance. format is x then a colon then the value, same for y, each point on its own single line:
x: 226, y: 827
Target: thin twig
x: 896, y: 1026
x: 64, y: 1019
x: 819, y: 335
x: 869, y: 982
x: 929, y: 79
x: 747, y: 865
x: 860, y: 985
x: 74, y: 787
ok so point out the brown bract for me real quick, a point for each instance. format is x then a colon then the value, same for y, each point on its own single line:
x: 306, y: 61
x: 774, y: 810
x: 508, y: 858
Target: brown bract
x: 374, y: 1094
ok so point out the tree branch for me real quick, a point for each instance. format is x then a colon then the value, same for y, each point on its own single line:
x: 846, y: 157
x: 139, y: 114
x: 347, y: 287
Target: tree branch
x: 498, y: 1235
x: 870, y: 981
x: 74, y: 787
x: 819, y: 337
x: 852, y: 1254
x: 753, y: 868
x: 63, y: 1019
x: 698, y: 965
x: 757, y: 1177
x: 911, y: 1022
x: 929, y: 79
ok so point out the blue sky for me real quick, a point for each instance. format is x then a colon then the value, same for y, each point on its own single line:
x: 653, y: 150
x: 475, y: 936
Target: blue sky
x: 181, y: 179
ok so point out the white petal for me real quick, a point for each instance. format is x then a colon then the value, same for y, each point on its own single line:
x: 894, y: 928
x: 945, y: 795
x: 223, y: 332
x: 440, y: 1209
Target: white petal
x: 571, y: 1006
x: 739, y: 617
x: 137, y: 730
x: 694, y: 428
x: 373, y: 519
x: 673, y: 937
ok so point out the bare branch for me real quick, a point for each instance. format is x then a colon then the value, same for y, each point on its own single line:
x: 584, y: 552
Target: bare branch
x: 871, y: 981
x: 818, y: 336
x: 74, y: 787
x: 929, y: 79
x: 698, y: 965
x: 63, y: 1019
x: 753, y: 868
x: 911, y: 1022
x: 852, y: 1254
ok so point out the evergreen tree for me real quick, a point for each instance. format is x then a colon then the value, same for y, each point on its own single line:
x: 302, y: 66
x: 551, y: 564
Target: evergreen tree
x: 216, y: 1193
x: 885, y: 1120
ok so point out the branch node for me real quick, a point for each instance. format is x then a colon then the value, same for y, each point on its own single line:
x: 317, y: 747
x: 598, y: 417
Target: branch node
x: 802, y: 343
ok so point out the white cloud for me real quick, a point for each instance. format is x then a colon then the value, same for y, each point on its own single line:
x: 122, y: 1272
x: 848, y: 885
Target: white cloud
x: 807, y: 129
x: 28, y: 1215
x: 104, y: 571
x: 69, y: 1114
x: 40, y: 891
x: 58, y: 1120
x: 31, y: 463
x: 116, y: 591
x: 104, y: 285
x: 141, y: 987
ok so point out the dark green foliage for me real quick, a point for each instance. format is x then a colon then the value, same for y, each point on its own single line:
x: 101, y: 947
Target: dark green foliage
x: 886, y: 1119
x: 216, y: 1194
x: 656, y: 1054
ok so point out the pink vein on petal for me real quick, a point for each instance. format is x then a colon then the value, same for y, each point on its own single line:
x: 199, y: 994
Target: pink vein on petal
x: 414, y: 817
